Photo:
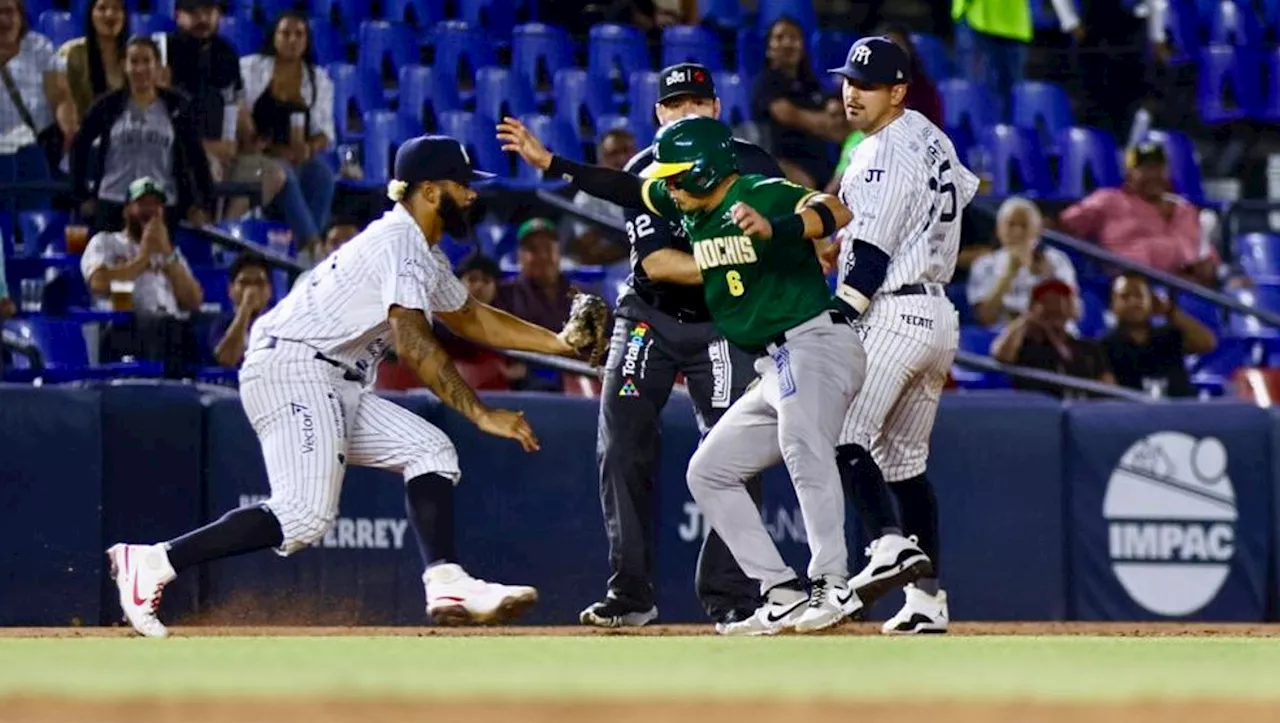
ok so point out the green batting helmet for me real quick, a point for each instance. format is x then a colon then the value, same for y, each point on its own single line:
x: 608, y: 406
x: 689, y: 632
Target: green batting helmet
x: 699, y: 148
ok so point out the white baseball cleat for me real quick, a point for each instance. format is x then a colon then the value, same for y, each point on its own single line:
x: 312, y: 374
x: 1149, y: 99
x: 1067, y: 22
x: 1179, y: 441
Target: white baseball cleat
x: 141, y: 572
x: 782, y: 608
x: 456, y: 598
x: 893, y: 561
x: 922, y: 613
x: 831, y: 602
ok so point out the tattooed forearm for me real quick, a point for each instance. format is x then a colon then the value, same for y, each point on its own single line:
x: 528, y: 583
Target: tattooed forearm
x: 417, y: 345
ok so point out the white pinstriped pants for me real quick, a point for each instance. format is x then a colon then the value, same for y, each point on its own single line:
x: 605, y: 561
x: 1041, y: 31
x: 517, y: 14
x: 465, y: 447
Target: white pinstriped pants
x: 312, y: 423
x: 911, y: 342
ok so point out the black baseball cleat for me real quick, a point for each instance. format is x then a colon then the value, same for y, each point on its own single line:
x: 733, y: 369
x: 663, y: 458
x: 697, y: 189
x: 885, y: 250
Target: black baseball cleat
x: 613, y: 613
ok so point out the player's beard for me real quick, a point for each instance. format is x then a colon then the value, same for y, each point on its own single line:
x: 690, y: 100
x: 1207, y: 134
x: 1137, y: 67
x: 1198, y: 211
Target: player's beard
x: 454, y: 218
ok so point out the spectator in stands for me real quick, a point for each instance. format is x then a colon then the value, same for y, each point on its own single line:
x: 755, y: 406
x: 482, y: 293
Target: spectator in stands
x: 1000, y: 282
x: 541, y: 292
x: 1147, y: 357
x: 37, y: 117
x: 291, y: 102
x: 141, y: 263
x: 206, y: 67
x: 340, y: 231
x: 482, y: 368
x: 1144, y: 221
x: 1039, y: 339
x: 998, y: 34
x: 142, y: 130
x: 95, y: 61
x: 922, y: 96
x: 250, y: 293
x: 788, y: 102
x: 585, y: 243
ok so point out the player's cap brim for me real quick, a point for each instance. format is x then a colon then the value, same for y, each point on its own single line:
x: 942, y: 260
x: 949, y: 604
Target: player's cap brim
x: 853, y: 74
x: 665, y: 170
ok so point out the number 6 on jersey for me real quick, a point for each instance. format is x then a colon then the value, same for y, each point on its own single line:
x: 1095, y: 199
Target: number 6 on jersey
x: 734, y: 280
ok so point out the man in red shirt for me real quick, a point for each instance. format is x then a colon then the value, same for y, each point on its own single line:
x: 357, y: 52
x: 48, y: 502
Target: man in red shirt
x: 1144, y: 221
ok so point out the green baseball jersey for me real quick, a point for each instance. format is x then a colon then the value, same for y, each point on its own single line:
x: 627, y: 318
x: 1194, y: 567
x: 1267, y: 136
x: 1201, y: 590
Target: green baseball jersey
x: 755, y: 289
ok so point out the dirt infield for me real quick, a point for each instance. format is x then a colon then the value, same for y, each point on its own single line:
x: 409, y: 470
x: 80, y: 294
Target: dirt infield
x: 35, y: 710
x: 957, y: 629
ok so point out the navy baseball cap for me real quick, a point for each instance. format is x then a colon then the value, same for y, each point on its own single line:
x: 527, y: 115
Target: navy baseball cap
x: 435, y: 158
x: 685, y: 79
x: 876, y: 60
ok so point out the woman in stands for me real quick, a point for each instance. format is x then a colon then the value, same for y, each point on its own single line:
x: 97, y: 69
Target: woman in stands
x: 292, y: 106
x: 95, y: 62
x: 788, y: 102
x: 142, y: 130
x: 37, y: 118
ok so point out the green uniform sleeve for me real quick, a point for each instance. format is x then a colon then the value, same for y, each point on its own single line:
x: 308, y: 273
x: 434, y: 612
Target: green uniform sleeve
x: 657, y: 200
x: 774, y: 197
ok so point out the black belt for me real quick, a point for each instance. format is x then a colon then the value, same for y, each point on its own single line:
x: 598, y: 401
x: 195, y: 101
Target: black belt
x: 347, y: 373
x: 915, y: 290
x: 837, y: 317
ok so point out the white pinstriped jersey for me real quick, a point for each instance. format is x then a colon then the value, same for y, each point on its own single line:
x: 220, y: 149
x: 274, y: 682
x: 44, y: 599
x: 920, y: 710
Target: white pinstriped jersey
x: 907, y: 188
x: 341, y: 309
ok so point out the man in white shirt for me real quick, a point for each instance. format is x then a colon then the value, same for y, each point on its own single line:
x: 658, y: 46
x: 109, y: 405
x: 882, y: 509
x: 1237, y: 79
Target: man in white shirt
x: 305, y: 385
x: 1000, y: 283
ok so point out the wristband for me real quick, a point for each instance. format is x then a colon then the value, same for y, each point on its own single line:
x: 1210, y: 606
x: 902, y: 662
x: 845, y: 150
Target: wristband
x: 826, y: 216
x: 788, y: 227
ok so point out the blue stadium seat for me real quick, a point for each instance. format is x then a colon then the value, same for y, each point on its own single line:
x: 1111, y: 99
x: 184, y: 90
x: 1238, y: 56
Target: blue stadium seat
x: 579, y: 101
x: 478, y: 138
x: 243, y: 34
x: 196, y: 249
x: 1229, y: 355
x: 691, y: 44
x: 1044, y: 108
x: 934, y: 56
x: 327, y: 42
x: 384, y: 131
x: 1258, y: 255
x: 35, y: 7
x: 385, y: 47
x: 40, y: 229
x: 642, y: 99
x: 801, y: 11
x: 750, y: 52
x: 1092, y: 322
x: 1262, y: 296
x: 1018, y: 164
x: 347, y: 14
x: 423, y: 98
x: 414, y: 13
x: 558, y: 136
x: 501, y: 93
x: 643, y: 136
x: 615, y: 282
x: 735, y: 99
x: 725, y: 14
x: 1207, y: 312
x: 1182, y: 30
x: 1043, y: 16
x: 59, y: 26
x: 495, y: 17
x: 1232, y: 22
x: 614, y: 53
x: 538, y: 53
x: 66, y: 353
x: 355, y: 92
x: 1228, y: 85
x: 213, y: 280
x: 8, y: 237
x: 977, y: 340
x: 1270, y: 109
x: 1090, y: 160
x: 1271, y: 18
x: 148, y: 23
x: 967, y: 106
x: 1183, y: 167
x: 828, y: 49
x: 461, y: 50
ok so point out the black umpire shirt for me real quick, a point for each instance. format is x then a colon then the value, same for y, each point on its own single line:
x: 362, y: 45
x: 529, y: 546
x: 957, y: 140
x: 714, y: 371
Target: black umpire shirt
x: 649, y: 233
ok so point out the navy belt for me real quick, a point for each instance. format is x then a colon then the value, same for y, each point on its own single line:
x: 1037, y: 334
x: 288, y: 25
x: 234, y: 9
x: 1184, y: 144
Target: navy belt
x: 918, y: 290
x: 347, y: 373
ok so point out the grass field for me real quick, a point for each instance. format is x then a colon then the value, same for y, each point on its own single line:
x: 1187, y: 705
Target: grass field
x: 205, y: 674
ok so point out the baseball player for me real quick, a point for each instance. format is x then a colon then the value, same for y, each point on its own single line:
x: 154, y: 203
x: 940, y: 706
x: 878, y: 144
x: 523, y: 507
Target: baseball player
x: 305, y: 387
x: 907, y: 189
x: 752, y: 242
x: 663, y: 328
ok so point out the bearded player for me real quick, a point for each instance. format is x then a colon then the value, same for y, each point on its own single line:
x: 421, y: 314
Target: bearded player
x: 752, y: 238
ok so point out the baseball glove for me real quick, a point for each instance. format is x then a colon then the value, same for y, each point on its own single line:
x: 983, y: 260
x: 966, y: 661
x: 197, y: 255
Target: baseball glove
x: 587, y: 329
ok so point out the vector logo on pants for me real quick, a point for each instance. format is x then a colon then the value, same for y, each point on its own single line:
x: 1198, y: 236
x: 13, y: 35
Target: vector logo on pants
x: 1171, y: 512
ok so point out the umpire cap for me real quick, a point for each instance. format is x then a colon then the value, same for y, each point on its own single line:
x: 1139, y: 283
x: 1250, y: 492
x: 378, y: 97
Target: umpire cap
x: 876, y: 60
x: 685, y: 79
x: 435, y: 158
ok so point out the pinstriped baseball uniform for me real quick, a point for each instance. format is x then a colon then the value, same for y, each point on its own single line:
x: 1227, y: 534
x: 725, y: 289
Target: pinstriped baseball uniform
x: 306, y: 378
x: 907, y: 189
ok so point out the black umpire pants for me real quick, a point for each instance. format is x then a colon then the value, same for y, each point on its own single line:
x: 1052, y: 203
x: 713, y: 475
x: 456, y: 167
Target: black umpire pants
x: 648, y: 349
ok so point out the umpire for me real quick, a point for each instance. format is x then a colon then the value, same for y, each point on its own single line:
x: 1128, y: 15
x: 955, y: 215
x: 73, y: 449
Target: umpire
x: 662, y: 329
